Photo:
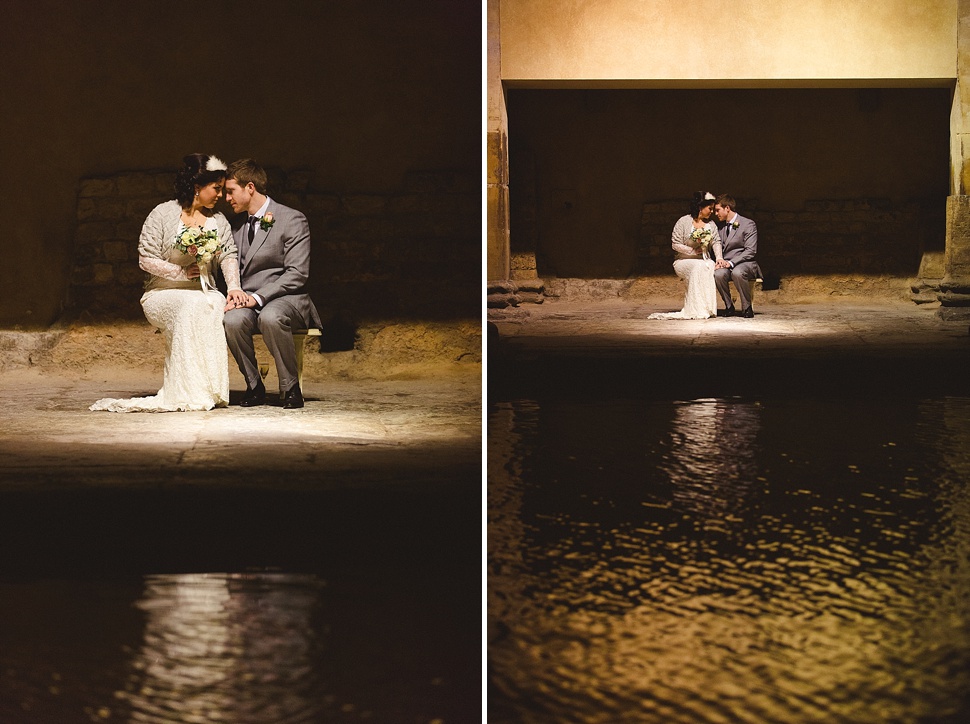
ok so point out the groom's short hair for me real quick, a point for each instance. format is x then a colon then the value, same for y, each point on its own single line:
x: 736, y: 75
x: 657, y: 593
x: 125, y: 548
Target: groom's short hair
x: 246, y: 171
x: 724, y: 200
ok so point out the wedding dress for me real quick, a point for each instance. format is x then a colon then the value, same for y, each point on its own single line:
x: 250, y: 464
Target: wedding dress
x: 189, y: 316
x: 700, y: 299
x: 697, y: 271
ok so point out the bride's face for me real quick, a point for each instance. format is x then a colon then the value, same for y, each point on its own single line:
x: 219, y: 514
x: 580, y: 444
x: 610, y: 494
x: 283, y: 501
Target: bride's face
x: 705, y: 213
x: 209, y: 194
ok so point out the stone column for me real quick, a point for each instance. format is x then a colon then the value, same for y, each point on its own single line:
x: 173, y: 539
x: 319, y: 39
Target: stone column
x: 497, y: 162
x: 955, y: 286
x: 508, y: 283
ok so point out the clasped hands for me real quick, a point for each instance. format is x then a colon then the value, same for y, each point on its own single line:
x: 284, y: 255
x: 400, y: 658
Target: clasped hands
x: 238, y: 299
x: 722, y: 264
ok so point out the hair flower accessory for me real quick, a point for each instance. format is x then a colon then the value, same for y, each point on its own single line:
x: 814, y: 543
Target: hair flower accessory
x: 214, y: 164
x: 267, y: 221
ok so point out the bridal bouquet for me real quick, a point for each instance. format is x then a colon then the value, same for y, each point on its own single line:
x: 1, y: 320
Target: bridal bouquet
x: 202, y: 244
x: 701, y: 239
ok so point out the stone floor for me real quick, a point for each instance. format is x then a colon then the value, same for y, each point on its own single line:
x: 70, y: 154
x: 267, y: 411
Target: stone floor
x: 350, y: 434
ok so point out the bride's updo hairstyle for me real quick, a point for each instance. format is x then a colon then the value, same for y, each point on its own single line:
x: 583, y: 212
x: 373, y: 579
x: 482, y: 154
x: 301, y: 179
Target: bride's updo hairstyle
x: 197, y: 170
x: 699, y: 200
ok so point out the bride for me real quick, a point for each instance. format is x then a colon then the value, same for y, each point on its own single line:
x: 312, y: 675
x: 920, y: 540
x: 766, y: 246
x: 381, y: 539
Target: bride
x: 696, y: 246
x: 179, y: 242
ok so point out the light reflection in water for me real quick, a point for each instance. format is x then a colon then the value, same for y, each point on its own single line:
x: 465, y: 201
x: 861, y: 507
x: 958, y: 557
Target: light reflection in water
x: 818, y: 571
x: 710, y: 459
x: 226, y: 647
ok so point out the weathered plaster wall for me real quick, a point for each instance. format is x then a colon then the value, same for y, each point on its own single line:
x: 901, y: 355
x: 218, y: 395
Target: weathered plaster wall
x: 657, y: 41
x: 360, y: 96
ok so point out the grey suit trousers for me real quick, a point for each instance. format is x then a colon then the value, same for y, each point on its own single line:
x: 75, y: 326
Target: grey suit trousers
x: 276, y: 322
x: 741, y: 275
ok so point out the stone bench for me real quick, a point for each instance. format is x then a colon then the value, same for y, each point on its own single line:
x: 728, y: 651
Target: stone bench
x: 299, y: 343
x: 752, y: 285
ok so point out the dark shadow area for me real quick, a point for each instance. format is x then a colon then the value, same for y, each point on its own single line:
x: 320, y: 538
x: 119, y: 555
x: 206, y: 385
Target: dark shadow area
x: 324, y: 605
x: 838, y: 180
x: 105, y: 533
x: 338, y: 335
x: 854, y: 374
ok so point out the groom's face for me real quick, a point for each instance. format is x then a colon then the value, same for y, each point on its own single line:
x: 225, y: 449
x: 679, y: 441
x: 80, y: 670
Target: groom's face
x: 238, y: 196
x: 723, y: 212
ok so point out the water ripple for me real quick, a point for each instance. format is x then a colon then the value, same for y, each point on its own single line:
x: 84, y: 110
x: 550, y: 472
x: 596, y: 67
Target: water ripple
x: 820, y: 572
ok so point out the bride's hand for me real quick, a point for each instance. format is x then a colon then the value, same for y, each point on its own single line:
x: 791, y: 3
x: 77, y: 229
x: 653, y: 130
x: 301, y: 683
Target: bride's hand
x: 192, y: 271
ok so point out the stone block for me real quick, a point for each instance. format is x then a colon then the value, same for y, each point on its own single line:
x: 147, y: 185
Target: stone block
x: 363, y: 204
x: 93, y: 231
x: 409, y: 203
x: 369, y: 227
x: 97, y: 187
x: 298, y: 181
x: 524, y: 266
x: 140, y: 208
x: 275, y: 180
x: 322, y: 203
x: 110, y: 209
x: 115, y: 250
x: 419, y: 181
x: 293, y: 200
x: 501, y: 301
x: 82, y: 274
x: 103, y: 273
x: 953, y: 314
x: 129, y: 229
x: 957, y: 257
x: 932, y: 265
x: 165, y: 184
x: 130, y: 275
x: 136, y: 184
x: 86, y: 209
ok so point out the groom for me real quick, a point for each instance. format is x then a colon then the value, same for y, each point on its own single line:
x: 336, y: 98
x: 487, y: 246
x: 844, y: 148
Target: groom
x: 274, y: 264
x: 739, y: 246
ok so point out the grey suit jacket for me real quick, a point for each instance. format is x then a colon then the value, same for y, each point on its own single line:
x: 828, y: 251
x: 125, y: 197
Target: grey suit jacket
x: 277, y: 263
x: 739, y: 245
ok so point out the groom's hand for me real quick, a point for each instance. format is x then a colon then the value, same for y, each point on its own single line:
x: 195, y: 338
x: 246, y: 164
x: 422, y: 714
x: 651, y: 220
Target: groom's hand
x: 723, y: 264
x: 238, y: 299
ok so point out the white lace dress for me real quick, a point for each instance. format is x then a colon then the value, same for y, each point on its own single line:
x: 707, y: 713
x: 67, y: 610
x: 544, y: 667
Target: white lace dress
x: 189, y: 315
x: 697, y: 270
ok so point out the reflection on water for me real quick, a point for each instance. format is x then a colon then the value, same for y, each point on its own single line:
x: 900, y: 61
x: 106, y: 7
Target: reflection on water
x: 729, y: 561
x: 386, y: 645
x: 709, y: 458
x: 226, y: 647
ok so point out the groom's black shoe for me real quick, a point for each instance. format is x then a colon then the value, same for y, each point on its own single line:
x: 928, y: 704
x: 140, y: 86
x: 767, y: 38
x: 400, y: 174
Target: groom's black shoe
x: 254, y: 397
x: 728, y: 312
x: 293, y: 399
x: 748, y: 313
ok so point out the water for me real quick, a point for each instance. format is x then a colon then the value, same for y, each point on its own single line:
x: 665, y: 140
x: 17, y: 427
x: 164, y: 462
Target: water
x: 244, y: 607
x: 729, y: 560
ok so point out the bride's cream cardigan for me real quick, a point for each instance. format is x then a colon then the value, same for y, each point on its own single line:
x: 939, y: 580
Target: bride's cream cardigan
x: 158, y: 256
x: 680, y: 237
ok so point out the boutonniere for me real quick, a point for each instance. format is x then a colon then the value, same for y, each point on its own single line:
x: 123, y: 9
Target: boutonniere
x: 735, y: 225
x: 267, y: 221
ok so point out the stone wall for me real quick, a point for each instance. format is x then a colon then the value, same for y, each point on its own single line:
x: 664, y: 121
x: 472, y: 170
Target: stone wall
x: 413, y: 253
x: 831, y: 236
